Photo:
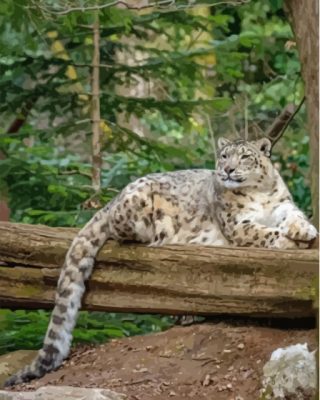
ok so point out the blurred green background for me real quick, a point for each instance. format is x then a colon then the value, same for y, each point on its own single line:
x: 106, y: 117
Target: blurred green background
x: 171, y: 83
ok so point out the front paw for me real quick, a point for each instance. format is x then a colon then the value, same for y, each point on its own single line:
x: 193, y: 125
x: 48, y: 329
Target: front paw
x: 300, y: 230
x: 283, y: 243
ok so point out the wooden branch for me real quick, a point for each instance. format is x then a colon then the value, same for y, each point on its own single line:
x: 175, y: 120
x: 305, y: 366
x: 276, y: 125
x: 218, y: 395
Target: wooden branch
x: 172, y: 280
x: 22, y: 116
x: 281, y: 122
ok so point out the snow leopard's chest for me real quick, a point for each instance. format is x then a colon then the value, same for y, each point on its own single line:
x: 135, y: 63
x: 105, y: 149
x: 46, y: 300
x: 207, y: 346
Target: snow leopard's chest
x: 257, y: 206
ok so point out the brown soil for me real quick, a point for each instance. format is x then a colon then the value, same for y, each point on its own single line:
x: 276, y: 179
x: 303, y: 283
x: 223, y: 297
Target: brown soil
x: 218, y: 361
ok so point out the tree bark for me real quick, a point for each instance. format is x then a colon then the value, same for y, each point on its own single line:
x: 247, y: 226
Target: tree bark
x: 303, y: 16
x: 14, y: 127
x: 172, y: 280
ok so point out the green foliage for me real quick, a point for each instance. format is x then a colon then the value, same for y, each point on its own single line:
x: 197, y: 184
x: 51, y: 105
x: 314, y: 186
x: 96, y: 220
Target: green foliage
x: 294, y: 167
x: 26, y: 329
x: 46, y: 169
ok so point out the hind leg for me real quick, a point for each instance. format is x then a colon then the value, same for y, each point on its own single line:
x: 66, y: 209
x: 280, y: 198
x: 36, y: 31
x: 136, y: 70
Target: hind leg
x: 131, y: 214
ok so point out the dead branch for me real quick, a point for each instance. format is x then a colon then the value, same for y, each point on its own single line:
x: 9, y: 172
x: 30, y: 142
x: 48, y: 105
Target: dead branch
x: 281, y: 122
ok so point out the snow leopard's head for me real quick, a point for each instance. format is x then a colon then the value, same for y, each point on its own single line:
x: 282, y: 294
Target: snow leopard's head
x: 242, y: 163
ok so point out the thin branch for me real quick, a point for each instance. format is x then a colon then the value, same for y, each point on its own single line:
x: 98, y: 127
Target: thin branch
x: 246, y: 133
x: 280, y: 124
x: 213, y: 142
x: 103, y: 6
x: 147, y: 63
x: 75, y: 172
x: 22, y: 115
x: 158, y: 5
x: 230, y: 114
x: 258, y: 132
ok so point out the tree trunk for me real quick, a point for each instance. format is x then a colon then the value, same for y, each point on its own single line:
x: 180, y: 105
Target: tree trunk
x: 304, y: 16
x: 95, y: 112
x: 14, y: 127
x: 172, y: 280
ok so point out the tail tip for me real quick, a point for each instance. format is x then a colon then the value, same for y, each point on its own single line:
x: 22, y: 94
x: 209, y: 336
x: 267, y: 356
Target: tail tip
x: 12, y: 381
x: 22, y: 376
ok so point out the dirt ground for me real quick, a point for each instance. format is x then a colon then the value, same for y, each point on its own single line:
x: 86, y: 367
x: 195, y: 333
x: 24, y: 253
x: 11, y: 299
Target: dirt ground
x: 217, y: 360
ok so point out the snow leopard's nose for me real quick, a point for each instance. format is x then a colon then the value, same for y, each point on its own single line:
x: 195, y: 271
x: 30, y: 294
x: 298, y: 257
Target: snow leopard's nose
x: 228, y: 169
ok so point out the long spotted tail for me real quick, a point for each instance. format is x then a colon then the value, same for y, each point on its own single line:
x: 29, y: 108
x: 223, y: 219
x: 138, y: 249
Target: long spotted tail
x: 76, y: 269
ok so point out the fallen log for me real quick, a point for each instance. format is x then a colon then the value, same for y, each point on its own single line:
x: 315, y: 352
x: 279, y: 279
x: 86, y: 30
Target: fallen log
x: 169, y: 280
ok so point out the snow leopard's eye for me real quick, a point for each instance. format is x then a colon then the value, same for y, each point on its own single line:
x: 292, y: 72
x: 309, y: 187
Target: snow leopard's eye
x: 244, y: 156
x: 224, y: 156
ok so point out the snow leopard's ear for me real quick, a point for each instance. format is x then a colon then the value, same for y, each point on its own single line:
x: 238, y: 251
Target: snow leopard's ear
x: 263, y: 145
x: 223, y: 142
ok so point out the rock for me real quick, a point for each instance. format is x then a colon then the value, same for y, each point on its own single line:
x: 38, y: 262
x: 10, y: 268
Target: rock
x: 229, y: 386
x: 12, y: 362
x: 290, y: 374
x: 63, y: 393
x: 207, y: 380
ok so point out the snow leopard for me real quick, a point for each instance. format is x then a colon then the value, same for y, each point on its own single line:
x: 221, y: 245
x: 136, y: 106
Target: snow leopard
x: 243, y: 202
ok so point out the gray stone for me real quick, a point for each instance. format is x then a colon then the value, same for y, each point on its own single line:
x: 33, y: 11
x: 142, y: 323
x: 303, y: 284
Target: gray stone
x: 63, y: 393
x: 290, y: 374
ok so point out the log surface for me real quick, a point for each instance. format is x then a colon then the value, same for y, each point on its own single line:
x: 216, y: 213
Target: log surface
x: 172, y: 280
